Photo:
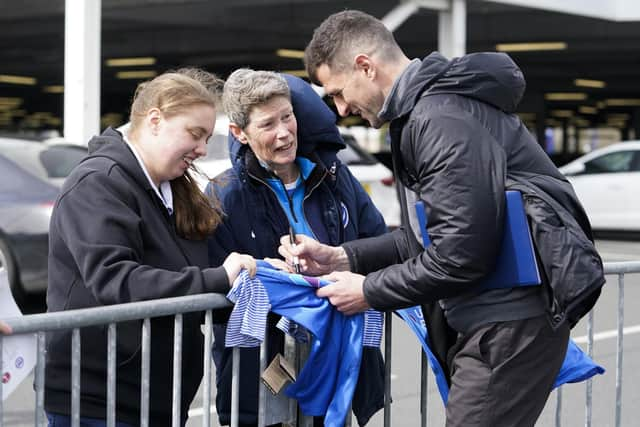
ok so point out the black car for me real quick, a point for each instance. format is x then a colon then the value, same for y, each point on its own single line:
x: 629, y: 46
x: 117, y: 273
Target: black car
x: 30, y: 175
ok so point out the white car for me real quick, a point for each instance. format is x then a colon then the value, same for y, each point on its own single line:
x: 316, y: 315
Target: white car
x: 375, y: 177
x: 607, y: 182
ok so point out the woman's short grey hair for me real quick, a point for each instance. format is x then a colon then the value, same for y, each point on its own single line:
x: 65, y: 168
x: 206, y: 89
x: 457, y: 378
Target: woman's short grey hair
x: 246, y: 88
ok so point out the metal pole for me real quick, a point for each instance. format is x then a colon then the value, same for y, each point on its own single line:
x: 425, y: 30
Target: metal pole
x: 82, y: 69
x: 262, y: 396
x: 206, y: 397
x: 387, y: 368
x: 235, y: 387
x: 619, y: 350
x: 589, y: 403
x: 111, y: 375
x: 39, y: 379
x: 177, y: 371
x: 452, y: 29
x: 424, y: 392
x: 146, y: 373
x: 558, y: 406
x: 75, y: 378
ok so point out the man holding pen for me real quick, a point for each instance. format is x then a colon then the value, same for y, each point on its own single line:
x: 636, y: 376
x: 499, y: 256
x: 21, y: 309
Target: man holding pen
x: 457, y: 146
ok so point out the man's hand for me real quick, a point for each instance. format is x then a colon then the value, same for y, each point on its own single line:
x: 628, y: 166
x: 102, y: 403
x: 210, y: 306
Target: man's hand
x: 315, y: 258
x: 346, y: 293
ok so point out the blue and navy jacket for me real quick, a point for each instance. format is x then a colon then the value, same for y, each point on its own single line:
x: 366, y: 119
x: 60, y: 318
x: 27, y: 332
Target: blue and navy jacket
x: 336, y: 208
x: 334, y: 199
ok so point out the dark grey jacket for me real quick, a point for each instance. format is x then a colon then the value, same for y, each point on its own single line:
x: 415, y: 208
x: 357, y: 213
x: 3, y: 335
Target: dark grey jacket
x: 457, y: 144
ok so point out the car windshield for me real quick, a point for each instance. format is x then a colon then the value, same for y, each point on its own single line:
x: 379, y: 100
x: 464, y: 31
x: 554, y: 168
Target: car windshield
x: 48, y: 162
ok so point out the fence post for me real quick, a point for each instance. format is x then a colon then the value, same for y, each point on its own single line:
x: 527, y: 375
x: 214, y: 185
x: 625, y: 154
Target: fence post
x: 424, y: 388
x: 111, y: 375
x: 619, y: 350
x: 75, y: 377
x: 177, y: 371
x: 387, y: 368
x: 146, y: 373
x: 589, y: 397
x: 206, y: 392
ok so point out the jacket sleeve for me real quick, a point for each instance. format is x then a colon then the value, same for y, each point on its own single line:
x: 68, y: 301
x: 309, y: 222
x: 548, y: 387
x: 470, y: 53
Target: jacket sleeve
x: 460, y: 172
x: 105, y: 237
x: 374, y: 253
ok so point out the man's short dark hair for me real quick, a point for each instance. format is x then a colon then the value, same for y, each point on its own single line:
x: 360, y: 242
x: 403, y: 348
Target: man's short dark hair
x: 336, y: 40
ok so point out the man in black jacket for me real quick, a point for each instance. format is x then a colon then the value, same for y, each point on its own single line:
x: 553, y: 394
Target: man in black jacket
x: 457, y: 146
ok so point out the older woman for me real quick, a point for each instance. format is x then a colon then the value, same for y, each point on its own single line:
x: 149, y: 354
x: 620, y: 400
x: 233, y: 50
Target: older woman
x: 285, y: 175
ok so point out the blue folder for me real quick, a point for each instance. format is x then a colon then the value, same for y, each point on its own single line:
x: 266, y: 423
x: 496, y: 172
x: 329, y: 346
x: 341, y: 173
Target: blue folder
x: 516, y: 264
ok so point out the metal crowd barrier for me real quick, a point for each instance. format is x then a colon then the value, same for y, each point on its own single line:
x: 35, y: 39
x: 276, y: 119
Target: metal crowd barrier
x: 288, y: 414
x: 111, y: 315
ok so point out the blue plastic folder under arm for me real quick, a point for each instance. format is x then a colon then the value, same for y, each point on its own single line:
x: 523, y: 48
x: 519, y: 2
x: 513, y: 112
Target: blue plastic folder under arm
x: 516, y: 264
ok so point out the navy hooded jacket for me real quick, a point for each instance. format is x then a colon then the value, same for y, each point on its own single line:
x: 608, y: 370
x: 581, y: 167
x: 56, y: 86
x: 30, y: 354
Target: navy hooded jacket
x: 255, y: 221
x: 336, y: 208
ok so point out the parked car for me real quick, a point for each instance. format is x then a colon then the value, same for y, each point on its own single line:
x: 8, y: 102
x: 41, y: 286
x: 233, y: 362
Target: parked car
x: 375, y: 177
x: 606, y: 181
x: 30, y: 175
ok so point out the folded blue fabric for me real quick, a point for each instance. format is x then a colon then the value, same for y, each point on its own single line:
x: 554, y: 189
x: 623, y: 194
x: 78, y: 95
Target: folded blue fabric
x: 326, y: 383
x: 577, y: 365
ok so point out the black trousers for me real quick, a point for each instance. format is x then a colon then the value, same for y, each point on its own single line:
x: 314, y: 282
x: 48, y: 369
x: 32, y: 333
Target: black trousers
x: 502, y: 373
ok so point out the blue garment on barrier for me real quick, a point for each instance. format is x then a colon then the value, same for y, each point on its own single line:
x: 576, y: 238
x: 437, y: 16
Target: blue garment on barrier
x: 577, y: 365
x: 326, y: 383
x: 372, y: 329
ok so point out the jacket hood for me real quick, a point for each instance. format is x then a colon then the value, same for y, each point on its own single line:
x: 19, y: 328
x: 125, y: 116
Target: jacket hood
x: 102, y: 144
x: 489, y: 77
x: 111, y: 144
x: 316, y: 123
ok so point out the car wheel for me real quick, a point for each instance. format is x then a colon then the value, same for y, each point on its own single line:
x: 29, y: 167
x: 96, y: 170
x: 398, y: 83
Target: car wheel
x: 8, y: 265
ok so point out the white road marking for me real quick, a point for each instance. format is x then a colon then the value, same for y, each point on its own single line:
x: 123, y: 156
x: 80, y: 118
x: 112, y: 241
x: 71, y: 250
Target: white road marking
x: 198, y: 412
x: 617, y: 256
x: 608, y: 334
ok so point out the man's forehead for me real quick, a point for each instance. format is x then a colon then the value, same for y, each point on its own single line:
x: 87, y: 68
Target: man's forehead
x: 328, y: 76
x: 332, y: 80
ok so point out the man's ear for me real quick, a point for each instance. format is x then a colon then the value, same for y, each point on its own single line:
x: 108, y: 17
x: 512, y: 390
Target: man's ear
x: 238, y: 133
x: 364, y: 63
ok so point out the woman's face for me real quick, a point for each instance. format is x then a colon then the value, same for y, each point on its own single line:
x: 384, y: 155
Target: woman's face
x: 272, y: 133
x: 177, y: 141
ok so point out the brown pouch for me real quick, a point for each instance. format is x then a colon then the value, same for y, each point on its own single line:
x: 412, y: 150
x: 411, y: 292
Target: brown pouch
x: 277, y: 374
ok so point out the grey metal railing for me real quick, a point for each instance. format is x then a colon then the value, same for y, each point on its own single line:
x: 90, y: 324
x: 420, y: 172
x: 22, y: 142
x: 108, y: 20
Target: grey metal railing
x: 620, y: 269
x: 39, y: 324
x: 74, y: 320
x: 272, y: 409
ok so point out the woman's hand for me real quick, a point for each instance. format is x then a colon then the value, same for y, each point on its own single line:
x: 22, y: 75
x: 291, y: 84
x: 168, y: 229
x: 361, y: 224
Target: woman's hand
x: 4, y: 328
x: 236, y: 262
x: 279, y: 264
